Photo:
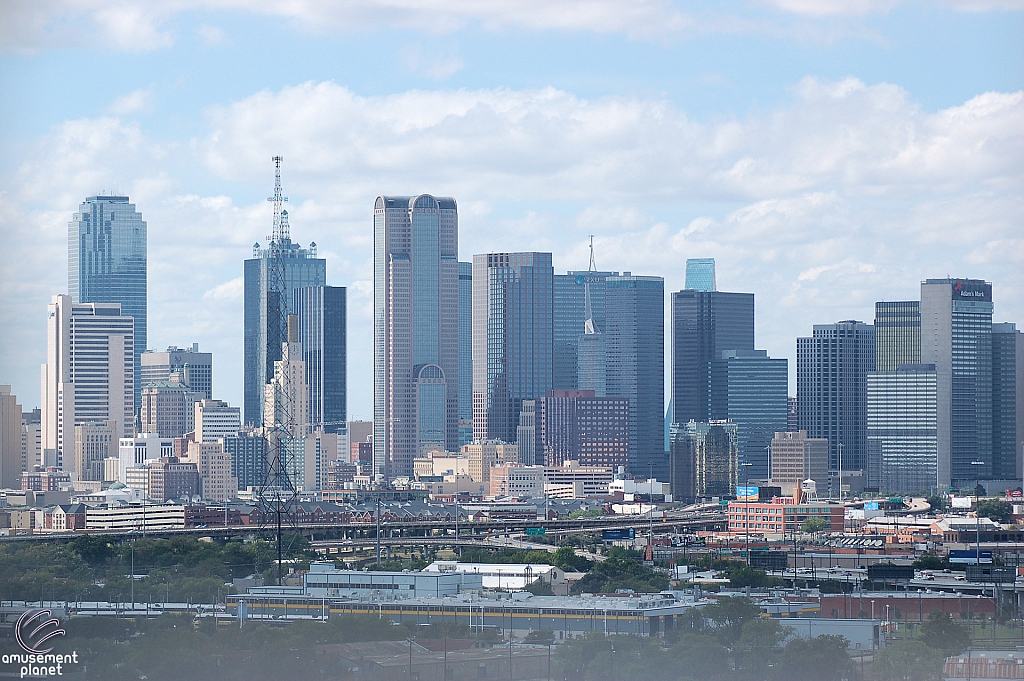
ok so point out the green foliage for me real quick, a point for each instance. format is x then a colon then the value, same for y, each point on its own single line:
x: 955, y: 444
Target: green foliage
x: 396, y: 565
x: 623, y: 569
x: 930, y: 561
x: 490, y: 556
x: 908, y: 661
x: 942, y: 633
x: 995, y: 509
x: 540, y: 588
x: 589, y: 513
x: 822, y: 658
x: 813, y: 525
x: 759, y: 648
x: 541, y: 637
x: 566, y: 559
x: 740, y: 575
x: 728, y: 615
x: 938, y: 502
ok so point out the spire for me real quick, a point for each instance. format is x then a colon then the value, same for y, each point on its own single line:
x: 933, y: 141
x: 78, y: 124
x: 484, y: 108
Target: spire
x: 281, y: 230
x: 588, y: 313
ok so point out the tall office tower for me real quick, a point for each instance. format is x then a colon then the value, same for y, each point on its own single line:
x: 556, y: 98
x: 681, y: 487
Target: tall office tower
x: 88, y: 375
x: 170, y: 478
x: 286, y: 407
x: 10, y: 440
x: 248, y: 451
x: 512, y: 339
x: 94, y: 443
x: 107, y: 264
x: 31, y: 439
x: 322, y: 332
x: 635, y: 364
x: 956, y: 336
x: 704, y: 460
x: 1006, y: 401
x: 792, y: 419
x: 271, y: 277
x: 897, y: 334
x: 579, y: 426
x: 528, y: 434
x: 214, y: 465
x: 704, y: 323
x: 465, y: 353
x: 484, y: 454
x: 134, y: 452
x: 570, y: 316
x: 415, y: 330
x: 902, y: 413
x: 795, y: 458
x: 320, y: 451
x: 751, y: 390
x: 168, y: 407
x: 215, y: 419
x: 196, y: 368
x: 700, y: 274
x: 831, y: 388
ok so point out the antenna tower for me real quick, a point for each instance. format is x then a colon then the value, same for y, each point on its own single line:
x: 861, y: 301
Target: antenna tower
x: 588, y: 323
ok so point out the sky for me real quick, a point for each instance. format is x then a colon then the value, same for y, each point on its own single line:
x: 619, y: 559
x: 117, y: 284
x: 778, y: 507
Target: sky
x: 828, y: 154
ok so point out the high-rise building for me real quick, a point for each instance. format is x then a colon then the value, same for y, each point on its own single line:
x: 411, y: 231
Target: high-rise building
x: 10, y: 439
x: 465, y: 353
x: 831, y: 387
x: 248, y: 452
x: 271, y: 277
x: 286, y: 407
x: 700, y: 274
x: 902, y: 414
x: 94, y: 444
x: 528, y: 434
x: 88, y: 375
x: 196, y: 368
x: 704, y: 460
x: 751, y: 390
x: 635, y: 364
x: 578, y: 426
x: 956, y: 336
x: 1007, y: 345
x: 168, y: 407
x: 792, y: 418
x: 31, y: 439
x: 795, y: 458
x: 214, y: 466
x: 570, y: 316
x: 170, y: 478
x: 484, y: 454
x: 897, y: 334
x: 215, y: 419
x: 416, y: 330
x: 322, y: 332
x: 512, y: 339
x: 140, y: 450
x: 107, y: 264
x: 704, y: 323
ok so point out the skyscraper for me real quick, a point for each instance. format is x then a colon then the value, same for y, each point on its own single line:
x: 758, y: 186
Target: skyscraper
x: 831, y: 388
x: 321, y: 314
x: 704, y: 460
x: 704, y: 323
x: 107, y: 264
x: 700, y: 274
x: 271, y: 277
x: 897, y: 334
x: 578, y: 426
x: 751, y: 390
x: 416, y: 330
x: 901, y: 429
x: 465, y: 353
x: 158, y: 366
x: 570, y: 315
x: 512, y: 339
x: 10, y: 440
x: 956, y: 336
x: 1007, y: 397
x: 88, y: 375
x: 635, y: 364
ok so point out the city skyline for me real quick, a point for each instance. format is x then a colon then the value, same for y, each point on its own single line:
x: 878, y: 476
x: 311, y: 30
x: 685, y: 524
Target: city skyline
x: 549, y: 151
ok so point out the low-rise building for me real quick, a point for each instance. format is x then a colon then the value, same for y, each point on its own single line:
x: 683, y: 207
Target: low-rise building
x: 781, y: 516
x: 578, y: 481
x: 517, y: 480
x: 41, y: 479
x: 142, y: 517
x: 503, y: 576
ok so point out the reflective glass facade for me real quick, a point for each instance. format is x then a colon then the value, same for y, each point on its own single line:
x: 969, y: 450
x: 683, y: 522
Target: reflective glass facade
x: 107, y: 264
x: 902, y: 420
x: 569, y: 311
x: 1006, y: 439
x: 465, y: 353
x: 897, y: 334
x: 322, y: 334
x: 704, y: 460
x: 700, y: 274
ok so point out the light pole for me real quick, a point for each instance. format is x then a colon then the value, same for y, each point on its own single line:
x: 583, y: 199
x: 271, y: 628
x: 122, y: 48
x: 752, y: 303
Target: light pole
x: 746, y: 503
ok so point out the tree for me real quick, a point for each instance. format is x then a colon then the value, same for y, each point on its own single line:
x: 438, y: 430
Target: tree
x: 700, y: 657
x: 929, y: 561
x: 822, y: 658
x: 760, y: 647
x: 729, y: 614
x: 813, y: 525
x: 940, y: 632
x: 937, y: 502
x: 908, y: 661
x: 566, y: 559
x: 996, y: 509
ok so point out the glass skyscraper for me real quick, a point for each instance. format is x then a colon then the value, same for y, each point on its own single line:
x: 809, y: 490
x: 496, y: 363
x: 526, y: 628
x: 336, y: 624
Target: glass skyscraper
x: 751, y: 390
x: 704, y: 323
x: 570, y: 316
x: 897, y: 334
x: 513, y: 331
x: 322, y: 334
x: 831, y: 388
x: 635, y: 364
x: 264, y: 322
x: 465, y: 353
x: 1007, y: 374
x: 901, y: 429
x: 700, y: 274
x: 107, y: 264
x: 416, y: 318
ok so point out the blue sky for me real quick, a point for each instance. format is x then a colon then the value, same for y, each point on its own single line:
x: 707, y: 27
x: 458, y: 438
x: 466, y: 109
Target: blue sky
x: 828, y: 154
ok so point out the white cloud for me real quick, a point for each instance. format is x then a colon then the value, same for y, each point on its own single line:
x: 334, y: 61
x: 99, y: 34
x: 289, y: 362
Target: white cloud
x: 847, y: 194
x: 135, y: 102
x: 210, y: 35
x: 436, y: 66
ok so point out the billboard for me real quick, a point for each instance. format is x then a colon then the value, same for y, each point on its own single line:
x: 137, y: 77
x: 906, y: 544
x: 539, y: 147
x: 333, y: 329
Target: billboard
x: 747, y: 493
x: 886, y: 573
x: 614, y: 535
x: 769, y: 560
x: 969, y: 557
x: 870, y: 505
x: 972, y: 289
x: 960, y: 502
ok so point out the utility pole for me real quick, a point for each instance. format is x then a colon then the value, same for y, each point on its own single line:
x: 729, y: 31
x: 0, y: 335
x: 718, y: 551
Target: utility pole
x: 378, y: 528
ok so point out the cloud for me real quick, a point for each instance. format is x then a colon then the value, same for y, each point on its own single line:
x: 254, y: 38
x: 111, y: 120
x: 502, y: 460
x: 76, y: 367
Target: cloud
x: 210, y: 35
x: 848, y: 193
x: 827, y: 8
x: 436, y: 66
x: 132, y: 103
